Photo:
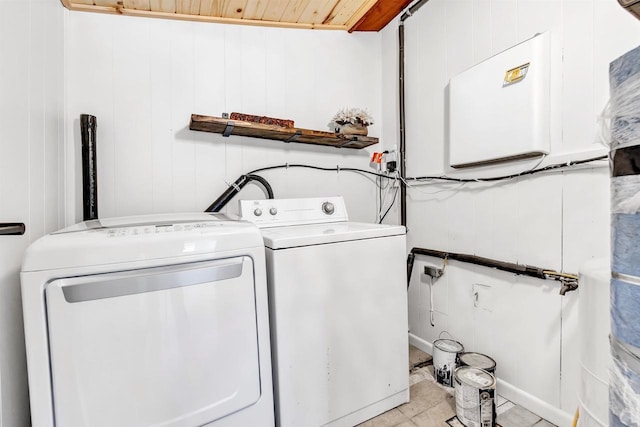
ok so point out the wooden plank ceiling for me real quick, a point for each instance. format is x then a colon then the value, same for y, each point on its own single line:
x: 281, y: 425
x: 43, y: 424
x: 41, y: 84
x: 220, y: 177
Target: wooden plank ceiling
x: 351, y: 15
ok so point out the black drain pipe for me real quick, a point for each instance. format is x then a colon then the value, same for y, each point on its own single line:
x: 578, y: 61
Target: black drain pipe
x: 88, y: 125
x: 569, y: 281
x: 403, y: 138
x: 235, y: 188
x: 403, y: 158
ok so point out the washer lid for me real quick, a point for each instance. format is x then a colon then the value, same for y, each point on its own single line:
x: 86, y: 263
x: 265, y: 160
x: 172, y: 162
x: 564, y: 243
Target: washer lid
x: 139, y: 238
x: 320, y: 234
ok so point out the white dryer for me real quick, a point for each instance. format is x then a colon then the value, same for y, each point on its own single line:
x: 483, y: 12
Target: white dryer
x: 338, y: 306
x: 148, y: 321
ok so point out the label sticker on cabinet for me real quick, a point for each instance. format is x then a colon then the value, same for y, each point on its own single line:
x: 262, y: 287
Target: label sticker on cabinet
x: 515, y: 74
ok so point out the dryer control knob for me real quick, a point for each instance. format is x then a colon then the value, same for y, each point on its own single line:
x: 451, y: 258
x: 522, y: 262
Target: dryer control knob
x: 273, y: 211
x: 257, y: 212
x: 328, y: 208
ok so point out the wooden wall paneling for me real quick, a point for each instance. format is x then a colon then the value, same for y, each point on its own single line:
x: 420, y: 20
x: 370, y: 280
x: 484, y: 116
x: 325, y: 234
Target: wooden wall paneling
x: 294, y: 10
x: 346, y: 9
x: 37, y: 161
x: 137, y: 4
x: 233, y: 89
x: 254, y: 93
x: 378, y: 16
x: 277, y: 58
x: 329, y: 18
x: 132, y: 118
x: 107, y: 3
x: 189, y: 7
x: 54, y: 108
x: 504, y: 25
x: 332, y: 16
x: 274, y: 10
x: 353, y: 15
x: 15, y: 162
x: 317, y: 11
x: 356, y: 15
x: 91, y: 87
x: 168, y: 6
x: 161, y: 90
x: 183, y: 154
x: 253, y: 68
x: 254, y: 9
x: 234, y: 9
x: 209, y: 7
x: 15, y: 42
x: 578, y: 47
x: 209, y: 89
x: 276, y: 61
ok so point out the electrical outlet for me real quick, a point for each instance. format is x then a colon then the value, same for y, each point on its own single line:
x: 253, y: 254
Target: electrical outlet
x: 391, y: 166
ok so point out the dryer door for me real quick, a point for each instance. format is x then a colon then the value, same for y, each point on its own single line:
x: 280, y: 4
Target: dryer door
x: 169, y: 346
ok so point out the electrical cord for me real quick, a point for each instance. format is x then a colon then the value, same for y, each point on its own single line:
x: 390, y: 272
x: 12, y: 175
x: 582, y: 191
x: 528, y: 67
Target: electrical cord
x: 515, y: 175
x: 441, y: 178
x: 382, y: 197
x: 395, y: 193
x: 405, y: 181
x: 336, y: 169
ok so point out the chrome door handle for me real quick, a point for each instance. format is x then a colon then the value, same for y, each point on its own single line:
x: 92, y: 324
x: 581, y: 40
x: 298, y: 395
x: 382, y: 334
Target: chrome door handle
x: 12, y: 228
x: 153, y: 279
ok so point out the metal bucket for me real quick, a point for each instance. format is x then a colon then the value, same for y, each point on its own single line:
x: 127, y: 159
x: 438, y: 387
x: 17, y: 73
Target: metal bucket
x: 478, y: 360
x: 445, y: 360
x: 475, y: 391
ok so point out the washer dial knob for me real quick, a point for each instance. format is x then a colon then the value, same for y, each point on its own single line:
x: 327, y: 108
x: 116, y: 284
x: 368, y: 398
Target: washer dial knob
x: 273, y: 211
x: 257, y: 212
x: 328, y: 208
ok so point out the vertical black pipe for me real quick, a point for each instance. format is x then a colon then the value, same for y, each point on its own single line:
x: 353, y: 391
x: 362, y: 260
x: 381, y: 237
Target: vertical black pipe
x: 88, y: 126
x: 403, y: 138
x: 403, y: 157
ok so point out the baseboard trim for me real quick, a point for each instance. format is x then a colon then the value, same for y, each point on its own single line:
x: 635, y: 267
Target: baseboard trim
x: 418, y: 342
x: 534, y: 404
x: 514, y: 394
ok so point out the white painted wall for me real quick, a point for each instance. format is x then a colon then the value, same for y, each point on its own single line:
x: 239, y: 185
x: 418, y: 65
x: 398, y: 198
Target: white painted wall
x: 31, y: 190
x: 557, y: 221
x: 143, y: 78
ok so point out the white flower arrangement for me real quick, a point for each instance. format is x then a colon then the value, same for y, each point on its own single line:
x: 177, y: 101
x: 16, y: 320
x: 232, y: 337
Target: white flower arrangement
x: 354, y: 116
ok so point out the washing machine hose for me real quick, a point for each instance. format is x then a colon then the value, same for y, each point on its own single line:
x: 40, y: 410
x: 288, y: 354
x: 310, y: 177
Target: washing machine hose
x: 235, y: 188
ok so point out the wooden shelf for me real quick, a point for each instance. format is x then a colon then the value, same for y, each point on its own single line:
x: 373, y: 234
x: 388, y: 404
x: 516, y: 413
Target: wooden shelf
x: 228, y: 127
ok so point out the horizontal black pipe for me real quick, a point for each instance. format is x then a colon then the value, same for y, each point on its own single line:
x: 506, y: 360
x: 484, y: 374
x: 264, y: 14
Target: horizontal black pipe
x: 12, y: 228
x: 525, y: 270
x: 235, y: 188
x: 413, y: 9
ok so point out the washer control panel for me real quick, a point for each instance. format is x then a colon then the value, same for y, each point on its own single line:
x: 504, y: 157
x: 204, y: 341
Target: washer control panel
x: 200, y: 227
x: 285, y: 212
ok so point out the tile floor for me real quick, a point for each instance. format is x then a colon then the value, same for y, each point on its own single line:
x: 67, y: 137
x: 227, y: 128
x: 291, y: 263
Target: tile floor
x: 433, y: 405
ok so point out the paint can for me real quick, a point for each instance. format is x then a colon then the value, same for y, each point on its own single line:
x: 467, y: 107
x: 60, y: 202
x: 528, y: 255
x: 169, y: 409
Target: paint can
x: 445, y: 360
x: 478, y: 360
x: 475, y: 391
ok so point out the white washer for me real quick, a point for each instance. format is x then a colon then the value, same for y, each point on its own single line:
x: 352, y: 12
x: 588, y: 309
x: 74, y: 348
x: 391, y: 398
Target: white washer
x: 148, y: 321
x: 338, y: 307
